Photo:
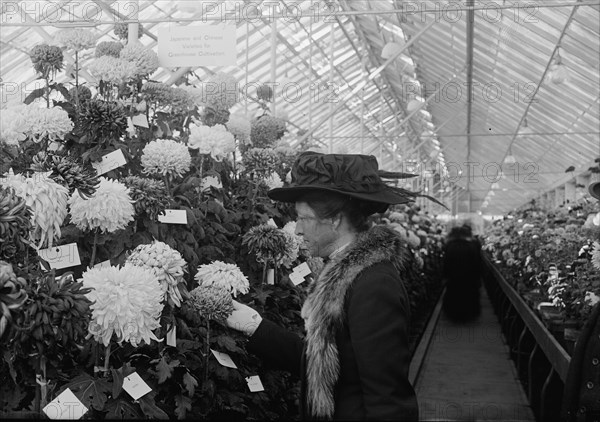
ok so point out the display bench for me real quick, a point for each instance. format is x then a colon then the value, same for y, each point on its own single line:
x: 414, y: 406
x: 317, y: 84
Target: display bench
x: 541, y: 361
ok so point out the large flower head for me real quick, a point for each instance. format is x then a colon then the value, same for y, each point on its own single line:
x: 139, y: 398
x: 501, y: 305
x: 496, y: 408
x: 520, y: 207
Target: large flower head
x: 112, y: 69
x: 214, y: 140
x: 167, y: 265
x: 221, y: 91
x: 211, y: 302
x: 102, y: 120
x: 292, y: 246
x: 12, y: 294
x: 47, y: 201
x: 109, y: 209
x: 76, y: 38
x: 145, y: 60
x: 46, y: 58
x: 150, y: 196
x: 166, y: 157
x: 12, y: 124
x: 260, y: 161
x: 240, y: 127
x: 108, y: 48
x: 68, y: 172
x: 267, y: 242
x: 30, y: 121
x: 15, y: 222
x: 266, y: 131
x: 225, y: 276
x: 177, y: 99
x: 126, y: 302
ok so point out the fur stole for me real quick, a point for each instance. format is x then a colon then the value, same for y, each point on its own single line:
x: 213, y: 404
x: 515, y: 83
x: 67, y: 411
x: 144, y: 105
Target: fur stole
x: 323, y: 310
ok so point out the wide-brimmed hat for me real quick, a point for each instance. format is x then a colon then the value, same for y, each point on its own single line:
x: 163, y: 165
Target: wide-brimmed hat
x: 594, y: 189
x: 353, y: 175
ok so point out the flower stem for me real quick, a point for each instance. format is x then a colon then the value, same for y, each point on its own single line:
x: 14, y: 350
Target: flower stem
x: 42, y: 382
x: 168, y: 186
x: 106, y: 359
x: 264, y: 274
x: 76, y: 79
x: 95, y: 244
x: 47, y: 88
x: 207, y: 350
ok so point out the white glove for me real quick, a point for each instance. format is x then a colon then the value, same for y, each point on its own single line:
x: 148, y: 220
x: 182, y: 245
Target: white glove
x: 243, y: 318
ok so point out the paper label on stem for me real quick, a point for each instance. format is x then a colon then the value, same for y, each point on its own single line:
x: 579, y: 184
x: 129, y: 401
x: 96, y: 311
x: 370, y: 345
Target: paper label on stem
x: 65, y: 406
x: 173, y: 217
x: 302, y: 269
x: 172, y: 335
x: 140, y: 120
x: 135, y: 386
x: 110, y: 161
x: 63, y: 256
x: 254, y: 384
x: 296, y: 278
x: 224, y: 359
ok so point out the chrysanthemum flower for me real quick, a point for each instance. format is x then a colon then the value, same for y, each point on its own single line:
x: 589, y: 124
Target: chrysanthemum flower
x: 293, y: 243
x: 108, y: 210
x: 225, y: 276
x: 596, y: 256
x: 126, y: 302
x: 215, y: 140
x: 166, y: 263
x: 260, y: 161
x: 145, y: 60
x: 68, y: 172
x: 149, y: 195
x: 166, y: 157
x: 177, y: 99
x: 15, y: 222
x: 30, y: 121
x: 12, y: 124
x: 221, y: 91
x: 240, y: 127
x: 122, y: 30
x: 77, y: 38
x: 273, y: 181
x: 266, y: 130
x: 112, y: 70
x: 268, y: 243
x: 211, y: 302
x: 102, y: 120
x: 47, y: 200
x: 109, y: 48
x: 46, y: 58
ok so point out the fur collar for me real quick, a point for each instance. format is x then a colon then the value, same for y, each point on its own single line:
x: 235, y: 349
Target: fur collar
x: 323, y: 311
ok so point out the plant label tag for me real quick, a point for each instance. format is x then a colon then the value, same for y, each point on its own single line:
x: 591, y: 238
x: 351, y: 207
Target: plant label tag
x: 224, y: 359
x: 63, y: 256
x: 172, y: 335
x: 271, y: 222
x: 254, y: 384
x: 140, y: 120
x: 130, y: 127
x: 302, y: 269
x: 296, y: 278
x: 104, y: 264
x: 65, y: 406
x: 135, y: 386
x: 110, y: 162
x: 173, y: 217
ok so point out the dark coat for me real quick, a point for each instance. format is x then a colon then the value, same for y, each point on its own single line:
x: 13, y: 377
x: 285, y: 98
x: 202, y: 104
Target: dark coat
x: 581, y: 400
x: 371, y: 343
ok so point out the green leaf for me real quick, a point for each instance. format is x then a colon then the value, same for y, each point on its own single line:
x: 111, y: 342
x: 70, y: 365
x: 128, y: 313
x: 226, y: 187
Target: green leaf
x: 150, y: 409
x: 122, y: 409
x: 92, y: 392
x: 183, y: 405
x: 190, y: 383
x: 34, y: 95
x: 165, y: 370
x: 227, y: 343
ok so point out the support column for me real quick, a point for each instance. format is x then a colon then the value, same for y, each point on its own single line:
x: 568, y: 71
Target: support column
x: 559, y: 197
x: 133, y: 27
x: 584, y: 181
x: 570, y: 191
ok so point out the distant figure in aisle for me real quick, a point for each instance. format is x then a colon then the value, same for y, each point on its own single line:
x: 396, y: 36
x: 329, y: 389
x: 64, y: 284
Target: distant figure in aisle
x: 462, y: 273
x: 354, y: 361
x: 581, y: 398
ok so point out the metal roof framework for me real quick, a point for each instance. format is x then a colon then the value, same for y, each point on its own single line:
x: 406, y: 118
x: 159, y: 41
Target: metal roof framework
x: 479, y: 69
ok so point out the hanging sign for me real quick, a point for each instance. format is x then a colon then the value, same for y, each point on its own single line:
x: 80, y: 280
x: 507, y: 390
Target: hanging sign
x: 206, y: 45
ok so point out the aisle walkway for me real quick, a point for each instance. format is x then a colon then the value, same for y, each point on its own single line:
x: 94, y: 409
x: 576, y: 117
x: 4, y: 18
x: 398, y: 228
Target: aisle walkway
x: 467, y: 374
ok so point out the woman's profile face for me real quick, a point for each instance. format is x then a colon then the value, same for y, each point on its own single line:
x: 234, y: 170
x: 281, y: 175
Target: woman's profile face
x: 319, y: 236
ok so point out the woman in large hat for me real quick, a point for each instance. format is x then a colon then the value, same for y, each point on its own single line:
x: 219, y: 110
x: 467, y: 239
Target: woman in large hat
x: 354, y: 360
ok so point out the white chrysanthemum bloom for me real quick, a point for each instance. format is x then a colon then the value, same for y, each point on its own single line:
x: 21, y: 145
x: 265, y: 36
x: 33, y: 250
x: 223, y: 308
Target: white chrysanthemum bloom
x: 273, y: 181
x: 145, y: 59
x: 109, y: 209
x: 240, y: 127
x: 166, y: 157
x: 12, y: 123
x: 220, y: 91
x: 596, y: 256
x: 77, y: 39
x: 47, y: 200
x: 194, y: 93
x: 215, y: 140
x: 166, y: 263
x: 293, y: 243
x: 126, y: 302
x: 112, y: 70
x: 591, y: 298
x: 51, y: 122
x: 225, y: 276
